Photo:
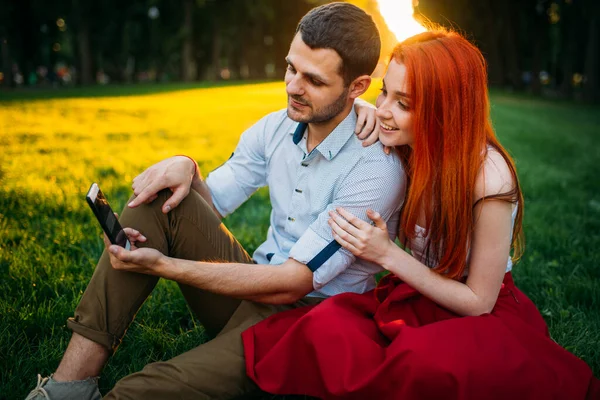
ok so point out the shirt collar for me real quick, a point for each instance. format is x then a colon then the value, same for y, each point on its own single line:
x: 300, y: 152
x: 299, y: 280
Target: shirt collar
x: 334, y: 142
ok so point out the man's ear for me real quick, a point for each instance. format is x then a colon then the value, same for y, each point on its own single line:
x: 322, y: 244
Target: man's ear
x: 359, y: 86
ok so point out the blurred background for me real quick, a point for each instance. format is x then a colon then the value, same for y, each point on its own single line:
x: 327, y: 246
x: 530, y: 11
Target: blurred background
x: 545, y: 47
x: 97, y: 91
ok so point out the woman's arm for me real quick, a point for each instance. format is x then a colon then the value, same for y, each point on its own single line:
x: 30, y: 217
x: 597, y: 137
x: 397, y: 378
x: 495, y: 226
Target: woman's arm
x: 489, y: 249
x: 489, y: 255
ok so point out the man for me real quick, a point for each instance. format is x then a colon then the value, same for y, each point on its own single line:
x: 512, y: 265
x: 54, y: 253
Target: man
x: 312, y: 162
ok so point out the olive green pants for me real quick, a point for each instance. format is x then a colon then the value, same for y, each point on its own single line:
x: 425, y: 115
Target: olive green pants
x: 213, y: 370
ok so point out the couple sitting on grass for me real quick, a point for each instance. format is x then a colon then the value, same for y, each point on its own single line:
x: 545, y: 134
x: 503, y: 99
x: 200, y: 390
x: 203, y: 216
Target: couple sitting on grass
x: 304, y: 314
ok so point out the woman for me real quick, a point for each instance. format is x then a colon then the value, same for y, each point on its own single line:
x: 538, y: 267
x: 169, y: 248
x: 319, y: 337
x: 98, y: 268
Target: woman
x: 448, y: 322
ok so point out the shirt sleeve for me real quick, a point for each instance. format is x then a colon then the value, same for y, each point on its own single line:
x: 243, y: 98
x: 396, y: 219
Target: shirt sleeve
x: 376, y: 184
x: 238, y: 178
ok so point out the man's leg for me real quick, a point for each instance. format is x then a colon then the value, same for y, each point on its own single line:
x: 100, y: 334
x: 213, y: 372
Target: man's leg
x: 214, y: 370
x: 112, y: 298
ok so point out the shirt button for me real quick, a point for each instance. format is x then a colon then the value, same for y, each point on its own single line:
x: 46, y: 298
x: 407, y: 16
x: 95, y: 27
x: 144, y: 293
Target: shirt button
x: 304, y: 164
x: 291, y: 219
x: 298, y: 190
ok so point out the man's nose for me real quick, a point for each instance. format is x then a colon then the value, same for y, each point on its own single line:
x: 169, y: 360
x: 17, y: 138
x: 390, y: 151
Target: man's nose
x: 294, y: 86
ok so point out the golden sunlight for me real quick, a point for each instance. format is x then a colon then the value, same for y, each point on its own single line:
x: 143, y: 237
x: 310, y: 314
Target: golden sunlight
x: 398, y: 15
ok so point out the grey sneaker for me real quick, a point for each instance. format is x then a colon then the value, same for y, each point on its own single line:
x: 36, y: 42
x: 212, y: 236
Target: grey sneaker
x: 49, y: 389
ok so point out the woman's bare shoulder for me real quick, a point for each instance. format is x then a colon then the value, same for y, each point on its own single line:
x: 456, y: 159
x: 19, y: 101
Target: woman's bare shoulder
x: 495, y: 176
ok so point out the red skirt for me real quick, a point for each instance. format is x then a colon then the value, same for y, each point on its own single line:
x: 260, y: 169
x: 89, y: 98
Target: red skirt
x: 394, y: 343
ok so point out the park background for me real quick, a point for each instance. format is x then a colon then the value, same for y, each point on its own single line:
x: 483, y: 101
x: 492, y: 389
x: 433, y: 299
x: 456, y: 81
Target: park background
x: 99, y: 90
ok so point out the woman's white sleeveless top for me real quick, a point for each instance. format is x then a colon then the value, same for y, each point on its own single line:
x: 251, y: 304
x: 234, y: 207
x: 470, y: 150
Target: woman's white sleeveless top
x: 417, y: 246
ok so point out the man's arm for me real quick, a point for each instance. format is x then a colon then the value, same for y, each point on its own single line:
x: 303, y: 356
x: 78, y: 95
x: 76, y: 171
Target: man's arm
x: 274, y: 284
x: 200, y: 187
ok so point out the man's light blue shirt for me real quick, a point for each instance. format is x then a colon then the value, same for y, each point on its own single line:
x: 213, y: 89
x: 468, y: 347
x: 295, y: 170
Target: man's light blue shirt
x: 304, y: 186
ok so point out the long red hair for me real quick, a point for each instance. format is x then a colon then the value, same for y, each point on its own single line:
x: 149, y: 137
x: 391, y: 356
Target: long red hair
x: 447, y: 80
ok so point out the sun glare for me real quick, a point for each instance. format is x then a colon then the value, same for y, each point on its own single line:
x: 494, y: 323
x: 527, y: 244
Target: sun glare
x: 398, y: 15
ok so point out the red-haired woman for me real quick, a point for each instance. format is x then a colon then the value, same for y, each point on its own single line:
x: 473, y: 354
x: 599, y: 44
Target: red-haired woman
x: 448, y: 322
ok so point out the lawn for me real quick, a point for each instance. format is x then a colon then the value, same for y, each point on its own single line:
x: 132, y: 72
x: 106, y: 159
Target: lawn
x: 54, y: 144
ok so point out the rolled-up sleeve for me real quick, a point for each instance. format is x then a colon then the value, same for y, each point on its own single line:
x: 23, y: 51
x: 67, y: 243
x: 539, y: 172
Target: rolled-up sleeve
x: 246, y: 171
x: 377, y: 184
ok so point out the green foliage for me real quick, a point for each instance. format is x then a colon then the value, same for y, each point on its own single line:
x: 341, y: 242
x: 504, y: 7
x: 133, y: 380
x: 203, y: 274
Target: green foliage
x: 52, y: 149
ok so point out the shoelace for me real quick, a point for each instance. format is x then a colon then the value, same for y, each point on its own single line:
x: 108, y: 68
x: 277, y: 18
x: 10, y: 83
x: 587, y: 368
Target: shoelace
x: 39, y: 389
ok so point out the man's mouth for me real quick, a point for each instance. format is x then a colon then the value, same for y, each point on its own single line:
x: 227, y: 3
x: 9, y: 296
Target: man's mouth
x: 297, y: 103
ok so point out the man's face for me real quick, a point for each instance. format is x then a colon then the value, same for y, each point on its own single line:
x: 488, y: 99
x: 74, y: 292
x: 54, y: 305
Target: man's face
x: 316, y: 91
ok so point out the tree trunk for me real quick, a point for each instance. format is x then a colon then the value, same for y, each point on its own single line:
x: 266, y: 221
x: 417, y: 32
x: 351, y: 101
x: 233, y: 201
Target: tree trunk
x: 7, y: 63
x: 592, y: 65
x: 81, y: 11
x: 509, y: 39
x: 27, y: 57
x: 188, y: 69
x: 539, y: 37
x: 85, y: 56
x: 491, y: 46
x: 569, y: 47
x: 216, y: 51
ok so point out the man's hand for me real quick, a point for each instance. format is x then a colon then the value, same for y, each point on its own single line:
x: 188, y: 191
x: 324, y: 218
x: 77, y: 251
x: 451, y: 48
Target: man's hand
x: 144, y: 261
x: 175, y: 173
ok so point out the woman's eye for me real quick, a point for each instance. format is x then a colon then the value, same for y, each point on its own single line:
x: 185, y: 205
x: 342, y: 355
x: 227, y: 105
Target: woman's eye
x: 403, y: 106
x: 383, y: 91
x: 291, y: 69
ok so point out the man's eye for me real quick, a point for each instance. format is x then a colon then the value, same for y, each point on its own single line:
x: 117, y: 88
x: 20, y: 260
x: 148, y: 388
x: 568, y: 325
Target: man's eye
x: 316, y: 82
x: 383, y: 91
x: 290, y: 68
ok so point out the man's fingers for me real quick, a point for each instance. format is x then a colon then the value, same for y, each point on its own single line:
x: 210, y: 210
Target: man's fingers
x: 179, y: 194
x: 107, y: 242
x: 134, y: 235
x: 145, y: 195
x: 121, y: 254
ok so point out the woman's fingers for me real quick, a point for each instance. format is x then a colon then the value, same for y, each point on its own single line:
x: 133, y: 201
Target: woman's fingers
x: 377, y: 219
x: 373, y: 137
x: 345, y: 225
x: 343, y: 242
x: 352, y: 219
x: 360, y: 123
x: 369, y: 129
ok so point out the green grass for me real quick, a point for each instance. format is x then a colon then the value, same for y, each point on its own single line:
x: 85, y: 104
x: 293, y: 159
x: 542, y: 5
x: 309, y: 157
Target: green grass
x: 52, y: 147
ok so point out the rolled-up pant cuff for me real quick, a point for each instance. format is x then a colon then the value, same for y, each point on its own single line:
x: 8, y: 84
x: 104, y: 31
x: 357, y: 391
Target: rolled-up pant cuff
x: 109, y: 341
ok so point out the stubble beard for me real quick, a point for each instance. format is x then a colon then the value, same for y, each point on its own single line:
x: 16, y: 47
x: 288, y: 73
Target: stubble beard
x: 322, y: 114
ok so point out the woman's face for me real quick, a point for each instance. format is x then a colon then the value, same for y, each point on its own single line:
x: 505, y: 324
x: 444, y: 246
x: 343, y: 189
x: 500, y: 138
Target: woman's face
x: 393, y: 108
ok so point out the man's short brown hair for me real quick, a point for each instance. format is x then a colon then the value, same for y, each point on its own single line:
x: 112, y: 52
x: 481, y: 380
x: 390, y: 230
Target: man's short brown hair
x: 349, y: 31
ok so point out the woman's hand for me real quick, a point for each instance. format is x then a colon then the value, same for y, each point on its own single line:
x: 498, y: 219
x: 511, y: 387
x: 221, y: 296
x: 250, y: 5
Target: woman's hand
x: 367, y: 241
x: 367, y: 125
